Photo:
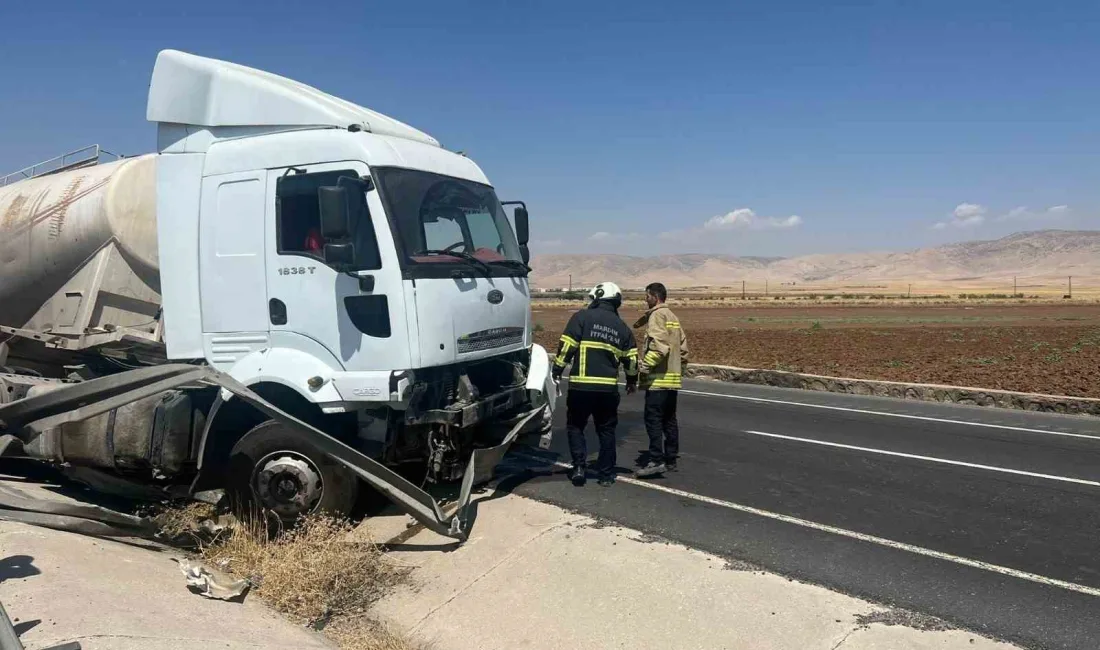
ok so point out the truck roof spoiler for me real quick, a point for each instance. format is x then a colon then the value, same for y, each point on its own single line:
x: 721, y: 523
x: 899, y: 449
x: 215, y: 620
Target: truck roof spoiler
x: 197, y: 91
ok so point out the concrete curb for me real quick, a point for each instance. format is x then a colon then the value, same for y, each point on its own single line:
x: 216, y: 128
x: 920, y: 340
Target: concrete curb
x: 901, y: 390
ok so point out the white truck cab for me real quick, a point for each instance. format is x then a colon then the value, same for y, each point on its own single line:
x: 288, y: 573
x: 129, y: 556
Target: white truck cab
x: 341, y: 264
x: 414, y: 266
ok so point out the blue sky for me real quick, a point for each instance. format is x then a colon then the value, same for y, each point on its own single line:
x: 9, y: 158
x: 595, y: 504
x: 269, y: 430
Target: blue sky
x: 770, y: 128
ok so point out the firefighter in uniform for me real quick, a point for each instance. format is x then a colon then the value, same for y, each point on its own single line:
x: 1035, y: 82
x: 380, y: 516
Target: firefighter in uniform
x: 597, y: 343
x: 663, y: 356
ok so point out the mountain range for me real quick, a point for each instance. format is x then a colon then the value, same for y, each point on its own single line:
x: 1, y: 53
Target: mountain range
x: 1031, y: 256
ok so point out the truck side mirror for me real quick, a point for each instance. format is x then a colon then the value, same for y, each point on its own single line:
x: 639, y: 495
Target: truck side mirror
x: 340, y: 256
x: 523, y: 226
x: 334, y: 204
x: 525, y: 253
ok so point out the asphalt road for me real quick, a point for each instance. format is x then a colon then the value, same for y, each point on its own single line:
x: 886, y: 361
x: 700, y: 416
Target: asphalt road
x: 985, y: 518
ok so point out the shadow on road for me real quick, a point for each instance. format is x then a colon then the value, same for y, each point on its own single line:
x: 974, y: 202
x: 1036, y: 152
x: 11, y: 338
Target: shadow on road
x: 17, y: 567
x: 26, y: 626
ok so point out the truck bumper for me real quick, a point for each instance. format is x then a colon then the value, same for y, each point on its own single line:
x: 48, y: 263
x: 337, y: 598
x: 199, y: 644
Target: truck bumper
x: 544, y: 393
x: 538, y: 391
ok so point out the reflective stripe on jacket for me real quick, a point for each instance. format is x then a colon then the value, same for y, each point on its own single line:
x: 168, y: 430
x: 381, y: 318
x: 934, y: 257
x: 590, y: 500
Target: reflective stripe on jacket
x: 597, y: 342
x: 664, y: 351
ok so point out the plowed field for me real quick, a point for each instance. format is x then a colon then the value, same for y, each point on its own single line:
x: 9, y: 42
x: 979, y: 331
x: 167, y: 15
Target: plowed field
x: 1034, y: 348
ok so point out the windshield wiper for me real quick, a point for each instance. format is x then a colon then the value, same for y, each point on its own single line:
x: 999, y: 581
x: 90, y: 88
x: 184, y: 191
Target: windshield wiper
x: 514, y: 263
x: 466, y: 257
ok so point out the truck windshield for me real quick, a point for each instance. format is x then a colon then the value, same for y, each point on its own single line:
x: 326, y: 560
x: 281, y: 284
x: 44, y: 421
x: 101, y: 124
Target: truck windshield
x: 434, y: 215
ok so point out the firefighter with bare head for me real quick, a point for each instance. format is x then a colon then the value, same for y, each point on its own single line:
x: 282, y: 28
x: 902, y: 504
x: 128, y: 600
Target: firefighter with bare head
x: 661, y: 362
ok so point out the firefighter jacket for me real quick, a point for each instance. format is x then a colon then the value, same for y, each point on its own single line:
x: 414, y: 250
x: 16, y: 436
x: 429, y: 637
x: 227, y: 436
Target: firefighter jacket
x: 664, y: 350
x: 597, y: 342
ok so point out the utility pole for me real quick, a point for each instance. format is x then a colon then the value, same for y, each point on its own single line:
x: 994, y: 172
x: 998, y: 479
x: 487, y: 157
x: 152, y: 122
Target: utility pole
x: 742, y: 290
x: 910, y: 293
x: 765, y: 288
x: 1014, y: 292
x: 570, y: 283
x: 1071, y: 286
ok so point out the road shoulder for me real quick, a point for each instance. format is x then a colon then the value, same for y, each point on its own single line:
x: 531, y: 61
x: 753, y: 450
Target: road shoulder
x: 534, y: 575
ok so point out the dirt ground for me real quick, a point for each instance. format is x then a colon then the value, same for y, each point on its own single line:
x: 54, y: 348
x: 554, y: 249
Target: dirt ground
x: 1034, y: 348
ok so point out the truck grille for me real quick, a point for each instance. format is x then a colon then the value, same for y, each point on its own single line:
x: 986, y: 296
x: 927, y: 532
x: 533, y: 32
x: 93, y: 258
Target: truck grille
x: 497, y: 337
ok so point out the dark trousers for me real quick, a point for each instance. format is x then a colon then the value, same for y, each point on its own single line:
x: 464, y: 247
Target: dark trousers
x: 661, y: 425
x: 603, y: 408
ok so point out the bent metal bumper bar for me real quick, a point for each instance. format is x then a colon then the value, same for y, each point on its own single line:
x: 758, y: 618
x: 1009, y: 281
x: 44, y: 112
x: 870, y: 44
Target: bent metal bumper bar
x: 30, y: 417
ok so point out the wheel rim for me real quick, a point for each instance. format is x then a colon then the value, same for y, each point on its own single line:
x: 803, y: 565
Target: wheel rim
x: 287, y: 483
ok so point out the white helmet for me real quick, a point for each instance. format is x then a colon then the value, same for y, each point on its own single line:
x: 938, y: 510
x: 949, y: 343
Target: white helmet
x: 608, y: 291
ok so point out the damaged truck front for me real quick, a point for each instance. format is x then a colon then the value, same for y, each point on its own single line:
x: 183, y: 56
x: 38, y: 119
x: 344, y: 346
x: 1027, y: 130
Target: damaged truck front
x: 295, y: 295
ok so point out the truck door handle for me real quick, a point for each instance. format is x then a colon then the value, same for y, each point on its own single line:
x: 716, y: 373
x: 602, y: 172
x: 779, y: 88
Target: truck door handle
x: 366, y: 283
x: 277, y: 310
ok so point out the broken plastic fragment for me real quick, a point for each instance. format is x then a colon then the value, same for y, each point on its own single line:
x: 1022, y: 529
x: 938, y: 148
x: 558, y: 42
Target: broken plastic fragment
x: 212, y: 583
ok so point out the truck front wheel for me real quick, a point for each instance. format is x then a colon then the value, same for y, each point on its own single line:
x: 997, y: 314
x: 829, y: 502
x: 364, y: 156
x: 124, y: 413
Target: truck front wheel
x: 274, y: 470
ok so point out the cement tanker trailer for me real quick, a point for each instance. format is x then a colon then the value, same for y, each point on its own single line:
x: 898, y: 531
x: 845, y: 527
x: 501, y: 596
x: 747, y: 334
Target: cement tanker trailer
x: 78, y: 255
x: 293, y: 296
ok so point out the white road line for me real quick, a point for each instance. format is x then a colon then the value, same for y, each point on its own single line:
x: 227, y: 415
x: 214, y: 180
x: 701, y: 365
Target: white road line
x: 892, y: 415
x: 933, y: 459
x: 851, y: 534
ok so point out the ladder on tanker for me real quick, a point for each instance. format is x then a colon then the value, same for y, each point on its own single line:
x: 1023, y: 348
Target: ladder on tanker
x: 76, y: 159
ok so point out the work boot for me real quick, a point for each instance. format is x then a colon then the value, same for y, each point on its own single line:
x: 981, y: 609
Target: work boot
x: 650, y: 469
x: 607, y: 481
x: 671, y: 466
x: 578, y: 475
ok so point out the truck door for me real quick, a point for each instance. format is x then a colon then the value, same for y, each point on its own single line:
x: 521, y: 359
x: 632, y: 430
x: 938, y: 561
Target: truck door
x: 354, y: 319
x: 232, y: 277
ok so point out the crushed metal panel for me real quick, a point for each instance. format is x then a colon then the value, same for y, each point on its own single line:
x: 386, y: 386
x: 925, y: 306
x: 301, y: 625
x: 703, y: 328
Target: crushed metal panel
x: 212, y: 583
x: 67, y: 524
x: 480, y: 469
x: 80, y: 401
x: 81, y: 518
x: 12, y: 497
x: 404, y: 494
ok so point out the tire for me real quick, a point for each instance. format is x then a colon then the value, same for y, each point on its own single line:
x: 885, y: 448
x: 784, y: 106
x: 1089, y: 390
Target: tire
x: 272, y: 469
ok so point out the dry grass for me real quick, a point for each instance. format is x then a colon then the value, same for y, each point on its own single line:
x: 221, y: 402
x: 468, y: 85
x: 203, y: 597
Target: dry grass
x: 312, y: 573
x: 180, y: 524
x: 317, y: 574
x: 364, y: 633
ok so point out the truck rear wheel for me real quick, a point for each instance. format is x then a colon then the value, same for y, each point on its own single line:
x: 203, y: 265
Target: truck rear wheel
x: 275, y: 470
